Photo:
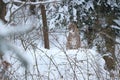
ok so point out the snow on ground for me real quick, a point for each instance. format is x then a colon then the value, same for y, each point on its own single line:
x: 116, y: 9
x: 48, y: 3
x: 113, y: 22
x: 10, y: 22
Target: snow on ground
x: 56, y: 64
x: 71, y: 64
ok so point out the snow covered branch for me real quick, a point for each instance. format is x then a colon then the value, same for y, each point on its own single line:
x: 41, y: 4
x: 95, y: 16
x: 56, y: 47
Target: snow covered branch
x: 108, y: 36
x: 24, y: 3
x: 35, y: 3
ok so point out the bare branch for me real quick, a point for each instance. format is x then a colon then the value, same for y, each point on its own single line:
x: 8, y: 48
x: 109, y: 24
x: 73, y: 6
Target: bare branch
x: 23, y: 4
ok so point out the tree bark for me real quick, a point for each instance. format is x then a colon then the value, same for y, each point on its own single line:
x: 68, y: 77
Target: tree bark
x: 102, y: 12
x: 2, y: 14
x: 32, y: 8
x: 45, y: 27
x: 2, y: 11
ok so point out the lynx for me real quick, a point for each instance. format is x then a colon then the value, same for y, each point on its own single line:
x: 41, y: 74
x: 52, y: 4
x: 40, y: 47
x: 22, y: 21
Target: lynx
x: 73, y: 39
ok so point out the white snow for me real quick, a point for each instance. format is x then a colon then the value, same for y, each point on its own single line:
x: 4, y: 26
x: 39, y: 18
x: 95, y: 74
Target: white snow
x: 115, y: 27
x: 54, y: 63
x: 89, y: 5
x: 57, y: 63
x: 117, y: 21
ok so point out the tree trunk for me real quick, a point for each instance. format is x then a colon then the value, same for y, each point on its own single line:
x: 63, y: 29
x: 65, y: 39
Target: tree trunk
x: 108, y: 34
x: 110, y: 47
x: 32, y: 8
x: 2, y: 14
x: 45, y: 27
x: 2, y: 11
x: 110, y: 42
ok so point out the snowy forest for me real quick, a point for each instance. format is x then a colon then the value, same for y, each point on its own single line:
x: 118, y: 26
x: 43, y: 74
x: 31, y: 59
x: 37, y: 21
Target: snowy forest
x: 59, y: 39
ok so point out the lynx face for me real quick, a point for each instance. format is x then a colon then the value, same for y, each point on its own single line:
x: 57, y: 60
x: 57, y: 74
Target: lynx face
x: 73, y: 39
x: 72, y: 28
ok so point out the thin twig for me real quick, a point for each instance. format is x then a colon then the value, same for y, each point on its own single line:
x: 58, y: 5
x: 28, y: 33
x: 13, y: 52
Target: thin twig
x: 23, y: 4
